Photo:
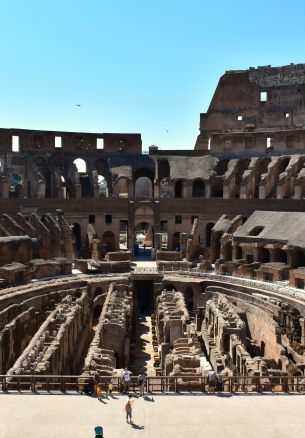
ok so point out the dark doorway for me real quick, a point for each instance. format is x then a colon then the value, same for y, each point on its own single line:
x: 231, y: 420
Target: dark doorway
x: 77, y: 234
x: 144, y: 296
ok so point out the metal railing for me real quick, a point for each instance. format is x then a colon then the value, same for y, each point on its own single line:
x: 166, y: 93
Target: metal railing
x: 156, y: 384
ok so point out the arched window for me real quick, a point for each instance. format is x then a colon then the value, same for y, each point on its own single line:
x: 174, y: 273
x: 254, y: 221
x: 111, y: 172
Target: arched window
x: 81, y: 165
x: 198, y: 189
x: 179, y: 189
x: 143, y: 187
x: 122, y: 188
x: 102, y: 187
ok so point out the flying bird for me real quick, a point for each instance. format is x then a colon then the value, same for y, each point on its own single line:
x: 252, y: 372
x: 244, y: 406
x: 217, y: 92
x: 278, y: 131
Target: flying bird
x: 78, y: 104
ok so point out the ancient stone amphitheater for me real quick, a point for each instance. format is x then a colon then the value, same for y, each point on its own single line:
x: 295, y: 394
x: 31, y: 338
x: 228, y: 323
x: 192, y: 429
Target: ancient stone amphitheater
x: 175, y: 262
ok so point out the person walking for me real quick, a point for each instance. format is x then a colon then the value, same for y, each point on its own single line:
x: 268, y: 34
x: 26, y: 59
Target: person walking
x: 128, y: 410
x: 141, y: 383
x: 212, y: 381
x: 126, y: 380
x: 219, y: 383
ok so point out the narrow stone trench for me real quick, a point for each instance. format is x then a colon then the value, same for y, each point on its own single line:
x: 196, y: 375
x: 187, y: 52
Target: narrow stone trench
x: 142, y: 352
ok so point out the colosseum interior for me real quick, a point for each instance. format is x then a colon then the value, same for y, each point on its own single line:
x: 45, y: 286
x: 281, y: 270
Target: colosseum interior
x: 172, y: 261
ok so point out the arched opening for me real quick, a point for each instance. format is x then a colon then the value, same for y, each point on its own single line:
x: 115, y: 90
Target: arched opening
x: 143, y: 187
x: 227, y: 251
x: 169, y: 287
x: 198, y: 189
x: 165, y: 191
x: 280, y: 256
x: 263, y: 255
x: 217, y: 188
x: 208, y: 233
x: 222, y: 167
x: 122, y: 188
x: 143, y: 239
x: 102, y: 187
x: 16, y: 181
x: 189, y: 298
x: 242, y: 167
x: 261, y: 169
x: 96, y: 314
x: 78, y: 236
x: 84, y: 178
x: 80, y: 165
x: 297, y: 258
x: 176, y: 241
x: 104, y: 178
x: 108, y: 241
x: 179, y: 188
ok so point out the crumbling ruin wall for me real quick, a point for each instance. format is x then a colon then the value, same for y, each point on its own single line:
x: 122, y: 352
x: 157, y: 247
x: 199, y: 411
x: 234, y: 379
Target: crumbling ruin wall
x: 53, y: 349
x: 109, y: 348
x: 32, y: 244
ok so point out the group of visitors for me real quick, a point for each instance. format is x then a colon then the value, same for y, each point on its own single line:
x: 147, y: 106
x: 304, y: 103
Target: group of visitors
x: 95, y: 387
x: 215, y: 382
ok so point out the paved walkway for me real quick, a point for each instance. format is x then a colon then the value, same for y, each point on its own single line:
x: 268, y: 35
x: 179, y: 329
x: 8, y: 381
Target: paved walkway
x: 169, y: 416
x: 143, y: 353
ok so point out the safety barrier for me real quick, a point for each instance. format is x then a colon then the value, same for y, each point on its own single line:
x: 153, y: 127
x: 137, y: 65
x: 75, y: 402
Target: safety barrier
x: 158, y: 384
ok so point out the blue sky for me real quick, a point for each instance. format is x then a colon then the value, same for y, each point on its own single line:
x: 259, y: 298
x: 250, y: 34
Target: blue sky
x: 148, y: 66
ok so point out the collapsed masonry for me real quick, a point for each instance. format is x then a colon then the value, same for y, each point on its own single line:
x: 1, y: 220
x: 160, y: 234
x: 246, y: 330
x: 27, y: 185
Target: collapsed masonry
x: 110, y: 346
x: 261, y: 338
x: 180, y: 351
x: 52, y: 349
x: 34, y: 246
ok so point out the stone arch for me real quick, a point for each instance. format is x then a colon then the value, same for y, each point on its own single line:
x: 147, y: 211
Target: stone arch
x: 198, y: 189
x: 81, y: 165
x: 143, y: 187
x: 260, y: 169
x: 84, y: 178
x: 16, y: 182
x: 108, y: 241
x: 144, y: 234
x: 43, y: 168
x: 104, y: 178
x: 280, y: 255
x: 143, y: 179
x: 122, y: 184
x: 180, y: 188
x: 263, y: 255
x: 217, y: 188
x: 165, y: 189
x: 144, y: 214
x: 221, y: 167
x: 297, y: 257
x: 242, y: 166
